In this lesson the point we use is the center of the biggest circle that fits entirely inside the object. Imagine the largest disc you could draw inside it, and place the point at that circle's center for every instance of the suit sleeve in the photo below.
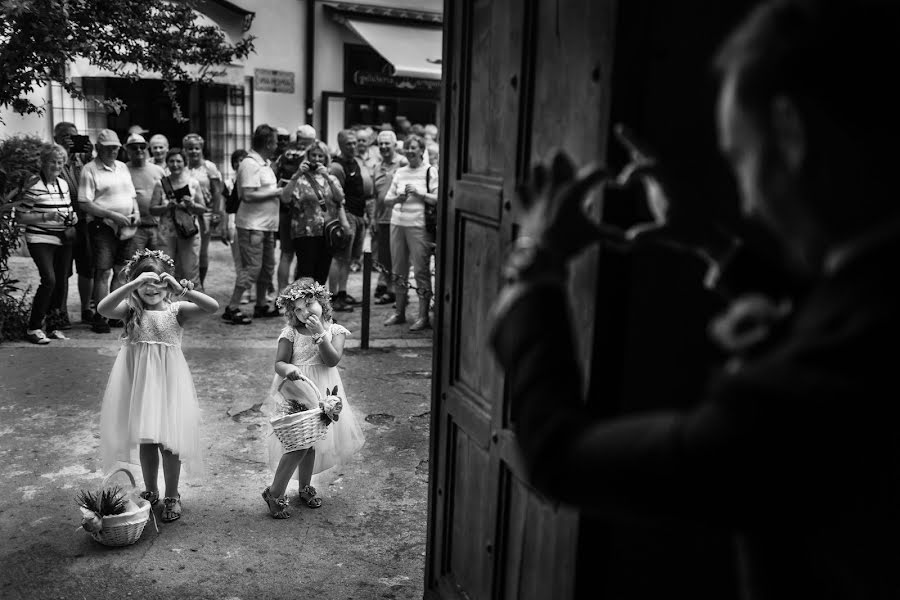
(668, 465)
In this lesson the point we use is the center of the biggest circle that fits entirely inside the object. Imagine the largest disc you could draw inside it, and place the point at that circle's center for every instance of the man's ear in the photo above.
(789, 131)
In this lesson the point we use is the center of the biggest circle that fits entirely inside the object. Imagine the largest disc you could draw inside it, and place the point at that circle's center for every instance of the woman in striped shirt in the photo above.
(46, 211)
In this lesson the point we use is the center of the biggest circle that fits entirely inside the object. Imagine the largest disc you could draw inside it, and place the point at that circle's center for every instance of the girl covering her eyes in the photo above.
(150, 406)
(310, 345)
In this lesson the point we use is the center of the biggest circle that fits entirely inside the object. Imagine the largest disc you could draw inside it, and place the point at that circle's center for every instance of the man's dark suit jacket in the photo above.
(797, 451)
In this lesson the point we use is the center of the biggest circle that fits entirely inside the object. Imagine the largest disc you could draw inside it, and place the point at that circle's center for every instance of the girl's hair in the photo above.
(173, 151)
(50, 151)
(308, 289)
(321, 147)
(143, 261)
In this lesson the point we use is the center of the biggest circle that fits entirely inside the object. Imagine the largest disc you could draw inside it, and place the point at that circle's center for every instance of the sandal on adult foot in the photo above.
(171, 509)
(277, 506)
(151, 497)
(308, 495)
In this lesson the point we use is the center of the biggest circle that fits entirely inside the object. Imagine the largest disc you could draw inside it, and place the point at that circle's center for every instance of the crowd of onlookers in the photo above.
(95, 203)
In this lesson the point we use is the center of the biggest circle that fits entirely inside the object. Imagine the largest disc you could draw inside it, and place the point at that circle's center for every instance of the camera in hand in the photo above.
(81, 144)
(289, 163)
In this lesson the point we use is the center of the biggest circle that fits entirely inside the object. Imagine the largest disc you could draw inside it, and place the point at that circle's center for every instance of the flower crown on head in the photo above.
(146, 252)
(315, 291)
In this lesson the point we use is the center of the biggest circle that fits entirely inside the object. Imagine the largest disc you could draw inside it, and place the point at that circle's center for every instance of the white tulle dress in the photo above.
(150, 395)
(344, 436)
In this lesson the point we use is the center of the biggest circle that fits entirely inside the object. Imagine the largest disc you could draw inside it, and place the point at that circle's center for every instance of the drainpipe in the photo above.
(310, 62)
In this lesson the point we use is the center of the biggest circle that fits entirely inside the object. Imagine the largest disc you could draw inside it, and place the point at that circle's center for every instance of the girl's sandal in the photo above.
(308, 495)
(151, 497)
(171, 509)
(277, 506)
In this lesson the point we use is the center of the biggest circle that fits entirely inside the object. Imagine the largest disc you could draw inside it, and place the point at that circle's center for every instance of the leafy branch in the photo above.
(130, 38)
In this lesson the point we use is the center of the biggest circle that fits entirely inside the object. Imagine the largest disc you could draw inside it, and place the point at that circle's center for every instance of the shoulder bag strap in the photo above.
(167, 188)
(317, 190)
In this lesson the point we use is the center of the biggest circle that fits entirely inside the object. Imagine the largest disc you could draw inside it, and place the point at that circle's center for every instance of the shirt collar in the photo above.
(258, 158)
(103, 165)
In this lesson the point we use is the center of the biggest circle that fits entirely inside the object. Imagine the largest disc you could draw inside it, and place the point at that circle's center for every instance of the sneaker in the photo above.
(350, 299)
(395, 319)
(58, 335)
(87, 316)
(340, 305)
(385, 298)
(37, 336)
(235, 316)
(99, 324)
(63, 321)
(116, 323)
(264, 312)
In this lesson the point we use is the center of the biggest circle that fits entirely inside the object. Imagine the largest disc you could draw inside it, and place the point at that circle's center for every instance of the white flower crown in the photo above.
(146, 252)
(316, 291)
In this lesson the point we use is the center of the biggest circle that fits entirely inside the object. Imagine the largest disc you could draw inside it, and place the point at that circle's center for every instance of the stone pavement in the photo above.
(367, 540)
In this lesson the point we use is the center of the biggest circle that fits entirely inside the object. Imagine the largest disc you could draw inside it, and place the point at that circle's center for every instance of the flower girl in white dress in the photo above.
(310, 346)
(150, 405)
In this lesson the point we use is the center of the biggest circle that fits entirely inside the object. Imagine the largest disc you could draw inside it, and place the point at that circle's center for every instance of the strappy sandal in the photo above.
(308, 495)
(171, 509)
(277, 506)
(151, 497)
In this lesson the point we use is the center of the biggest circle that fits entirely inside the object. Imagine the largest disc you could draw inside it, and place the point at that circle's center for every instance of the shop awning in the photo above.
(414, 51)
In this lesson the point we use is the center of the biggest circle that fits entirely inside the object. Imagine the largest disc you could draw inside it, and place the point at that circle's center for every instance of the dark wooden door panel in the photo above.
(512, 85)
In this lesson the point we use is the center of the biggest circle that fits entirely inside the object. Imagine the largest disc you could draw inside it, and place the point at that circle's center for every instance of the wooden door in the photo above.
(519, 76)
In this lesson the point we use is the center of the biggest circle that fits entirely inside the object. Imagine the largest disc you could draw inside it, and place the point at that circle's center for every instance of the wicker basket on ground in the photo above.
(125, 528)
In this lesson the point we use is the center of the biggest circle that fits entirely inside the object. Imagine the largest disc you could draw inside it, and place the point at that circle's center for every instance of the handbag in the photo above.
(336, 231)
(185, 223)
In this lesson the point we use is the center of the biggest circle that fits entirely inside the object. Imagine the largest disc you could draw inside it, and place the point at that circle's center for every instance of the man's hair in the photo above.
(389, 135)
(158, 136)
(343, 134)
(831, 59)
(63, 125)
(833, 55)
(261, 136)
(192, 137)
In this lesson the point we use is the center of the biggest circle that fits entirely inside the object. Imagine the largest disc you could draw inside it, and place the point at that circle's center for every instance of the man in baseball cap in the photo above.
(107, 195)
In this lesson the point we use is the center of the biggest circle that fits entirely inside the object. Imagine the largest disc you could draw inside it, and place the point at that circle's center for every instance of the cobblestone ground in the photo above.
(367, 540)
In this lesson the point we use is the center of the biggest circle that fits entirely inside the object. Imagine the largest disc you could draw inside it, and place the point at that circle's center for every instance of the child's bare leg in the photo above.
(308, 493)
(149, 454)
(306, 467)
(286, 467)
(171, 472)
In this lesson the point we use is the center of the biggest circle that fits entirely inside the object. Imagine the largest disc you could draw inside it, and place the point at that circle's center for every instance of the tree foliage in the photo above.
(128, 37)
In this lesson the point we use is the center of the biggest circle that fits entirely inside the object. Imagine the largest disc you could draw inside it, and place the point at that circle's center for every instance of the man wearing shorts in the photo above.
(107, 195)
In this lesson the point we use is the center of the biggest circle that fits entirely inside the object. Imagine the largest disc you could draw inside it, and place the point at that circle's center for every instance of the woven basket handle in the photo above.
(126, 471)
(306, 380)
